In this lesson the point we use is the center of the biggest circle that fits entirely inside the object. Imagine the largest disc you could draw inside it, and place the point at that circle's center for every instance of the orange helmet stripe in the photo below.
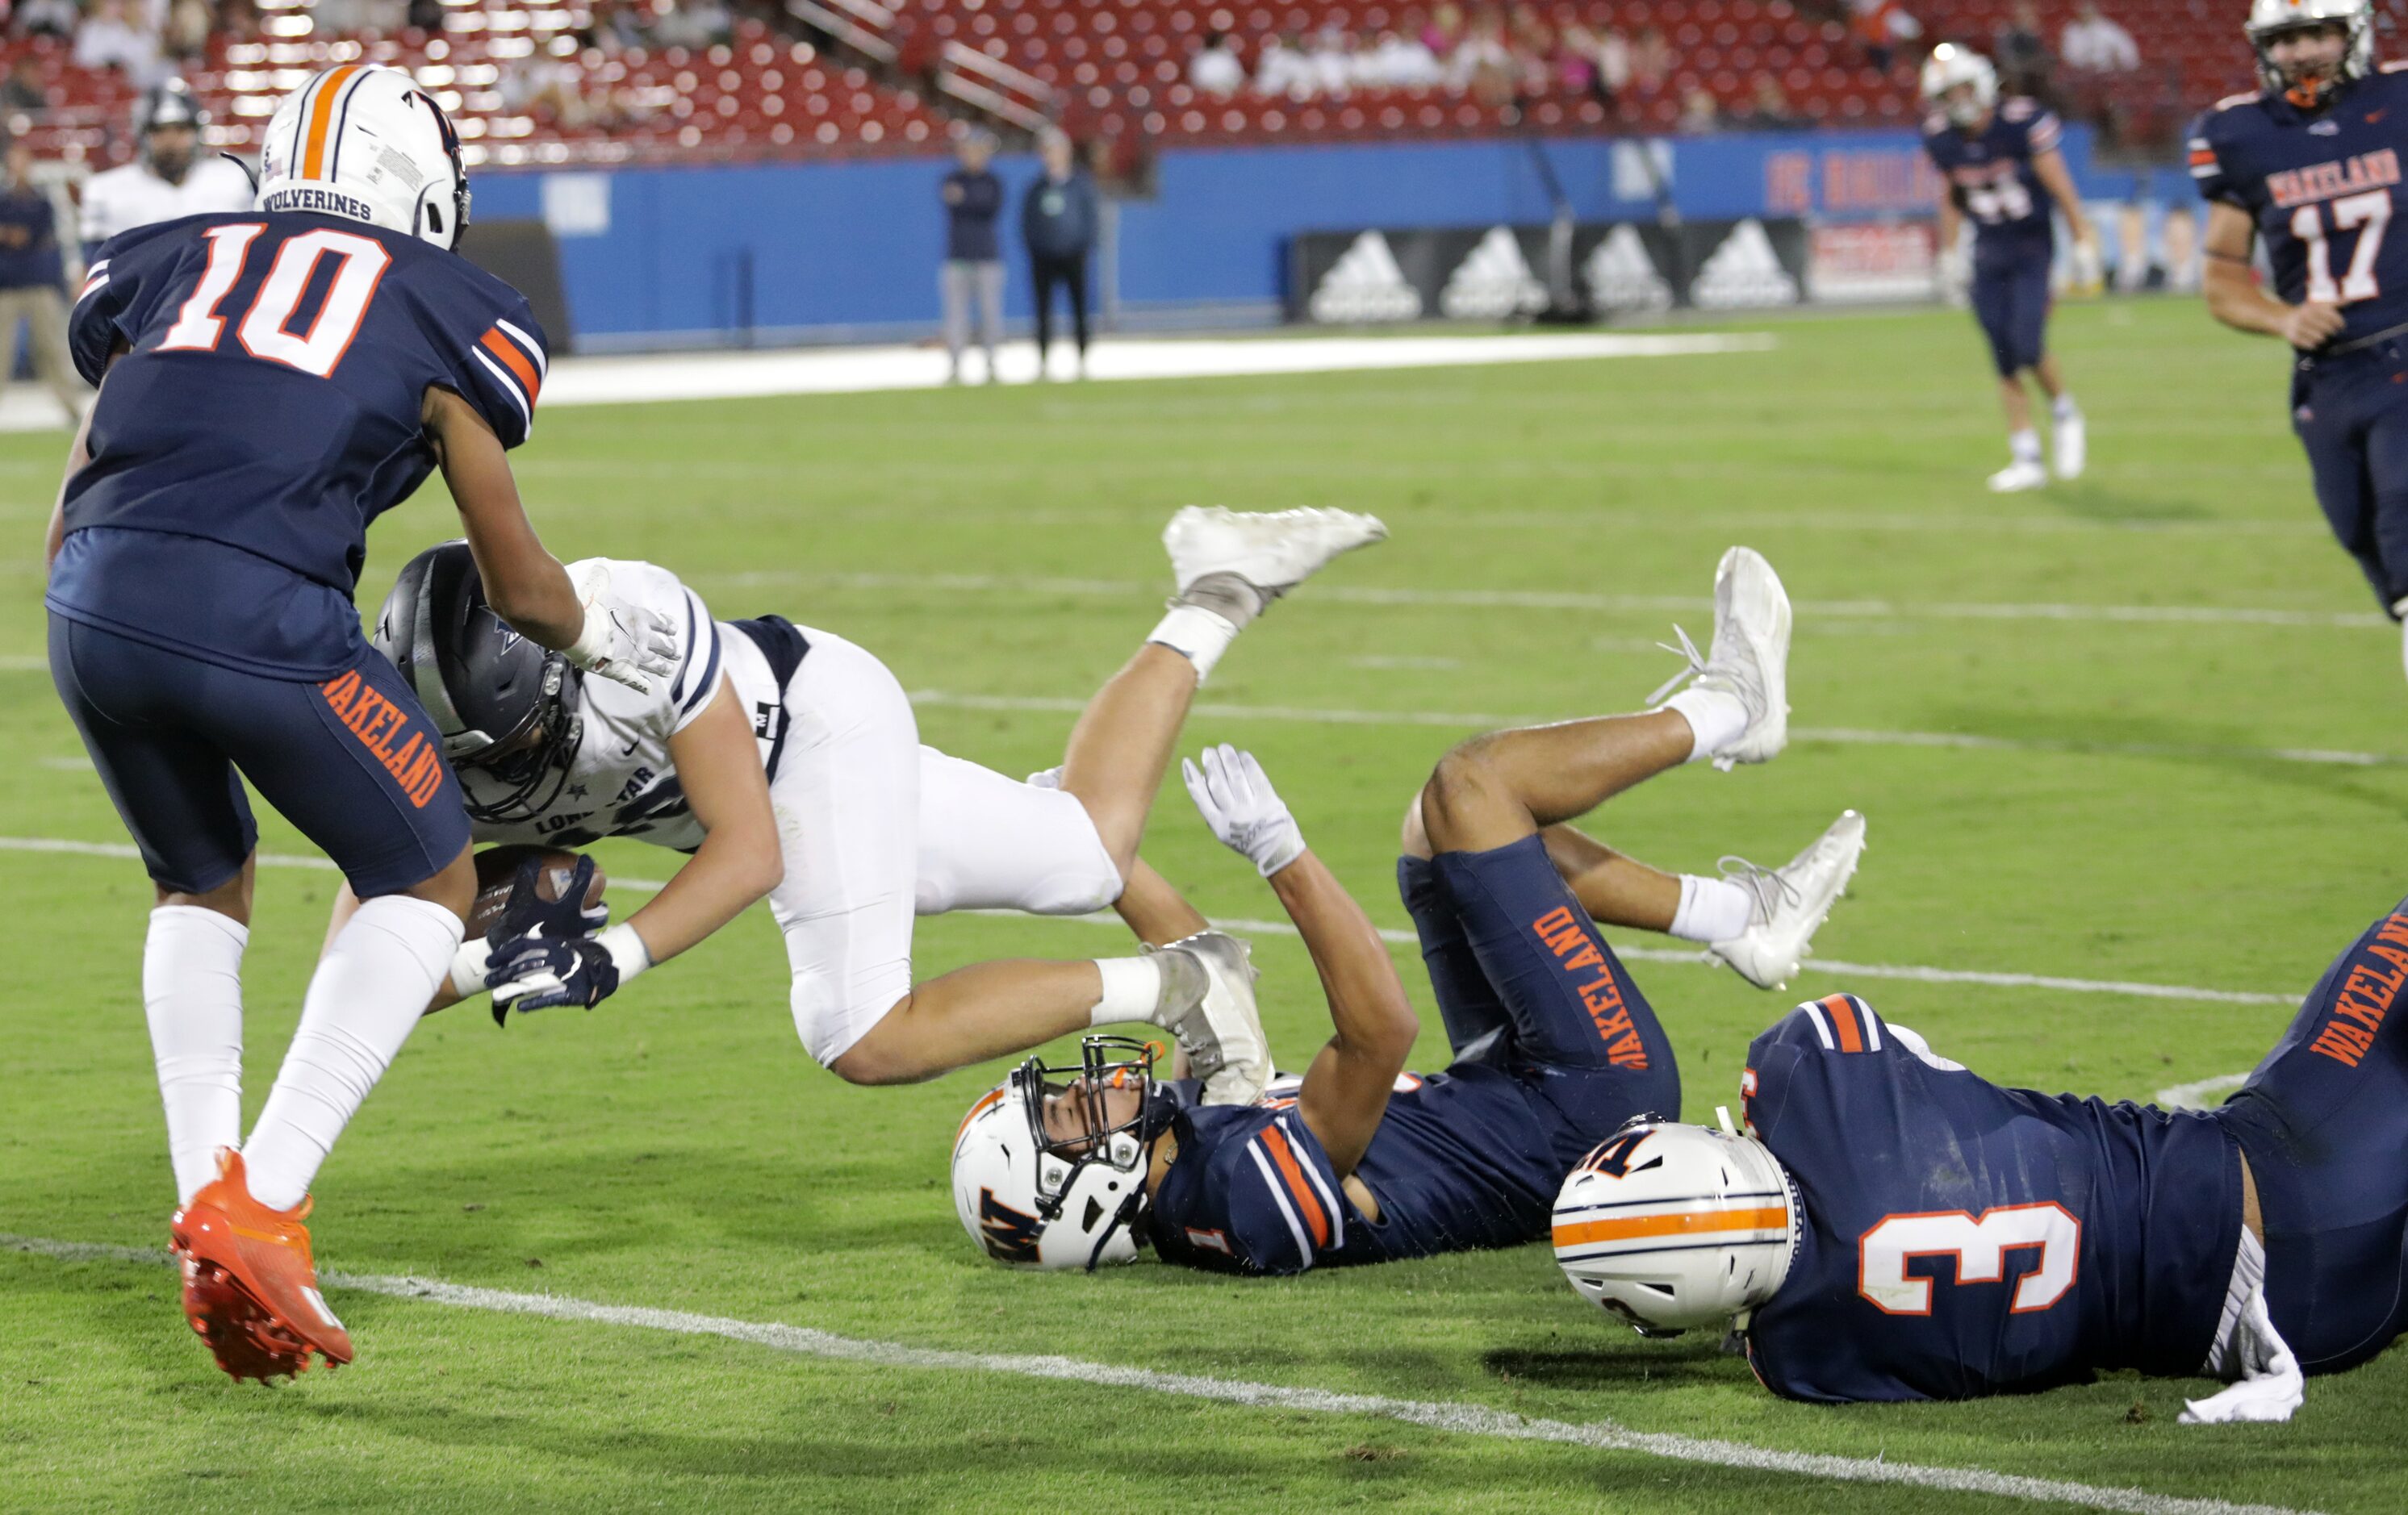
(322, 112)
(1692, 1223)
(985, 1101)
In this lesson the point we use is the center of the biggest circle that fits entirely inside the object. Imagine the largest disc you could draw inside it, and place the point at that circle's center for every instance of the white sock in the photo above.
(2025, 445)
(1716, 717)
(2063, 408)
(1132, 991)
(367, 996)
(1711, 909)
(1199, 635)
(192, 991)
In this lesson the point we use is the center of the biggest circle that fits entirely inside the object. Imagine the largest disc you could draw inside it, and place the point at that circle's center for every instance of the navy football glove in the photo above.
(528, 912)
(536, 972)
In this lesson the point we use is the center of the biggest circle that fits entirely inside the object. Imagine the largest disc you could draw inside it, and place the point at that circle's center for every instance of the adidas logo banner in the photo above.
(1743, 271)
(1493, 281)
(1365, 284)
(1362, 275)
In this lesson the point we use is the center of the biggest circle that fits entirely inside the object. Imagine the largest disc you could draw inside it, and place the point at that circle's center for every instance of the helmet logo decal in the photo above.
(1010, 1234)
(1613, 1157)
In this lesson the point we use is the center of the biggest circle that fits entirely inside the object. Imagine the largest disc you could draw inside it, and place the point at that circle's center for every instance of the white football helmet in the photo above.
(364, 142)
(2270, 19)
(1671, 1226)
(1950, 65)
(1036, 1201)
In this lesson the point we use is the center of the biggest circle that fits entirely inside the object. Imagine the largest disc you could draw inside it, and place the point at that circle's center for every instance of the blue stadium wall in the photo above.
(689, 256)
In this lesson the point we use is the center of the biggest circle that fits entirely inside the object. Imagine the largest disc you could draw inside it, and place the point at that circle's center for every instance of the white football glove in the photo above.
(2088, 269)
(623, 642)
(1955, 274)
(1243, 810)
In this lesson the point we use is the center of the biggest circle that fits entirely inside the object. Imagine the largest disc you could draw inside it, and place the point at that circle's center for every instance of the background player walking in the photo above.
(270, 383)
(2312, 164)
(2001, 170)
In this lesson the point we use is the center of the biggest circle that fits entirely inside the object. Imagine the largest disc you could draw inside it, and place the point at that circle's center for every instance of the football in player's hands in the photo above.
(521, 888)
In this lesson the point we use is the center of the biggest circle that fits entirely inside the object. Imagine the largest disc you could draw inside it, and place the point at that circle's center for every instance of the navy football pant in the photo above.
(2323, 1120)
(1524, 982)
(2011, 301)
(2351, 414)
(352, 761)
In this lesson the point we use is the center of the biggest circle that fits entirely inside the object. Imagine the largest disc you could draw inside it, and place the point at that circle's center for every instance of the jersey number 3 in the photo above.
(2369, 214)
(265, 330)
(1980, 1248)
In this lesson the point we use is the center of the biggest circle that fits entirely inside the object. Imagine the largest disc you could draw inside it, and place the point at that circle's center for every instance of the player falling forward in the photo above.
(1554, 1045)
(788, 761)
(2312, 164)
(1892, 1226)
(269, 384)
(2000, 169)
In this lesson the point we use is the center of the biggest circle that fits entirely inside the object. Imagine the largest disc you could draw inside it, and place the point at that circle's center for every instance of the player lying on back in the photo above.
(1554, 1045)
(269, 384)
(1893, 1226)
(2312, 164)
(2000, 170)
(787, 760)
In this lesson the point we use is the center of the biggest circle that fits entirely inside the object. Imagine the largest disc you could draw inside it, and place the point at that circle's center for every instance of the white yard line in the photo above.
(2205, 1094)
(1437, 1415)
(1908, 973)
(1542, 599)
(1849, 736)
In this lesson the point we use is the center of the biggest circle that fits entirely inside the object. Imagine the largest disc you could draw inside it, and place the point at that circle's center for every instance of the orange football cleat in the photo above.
(250, 1289)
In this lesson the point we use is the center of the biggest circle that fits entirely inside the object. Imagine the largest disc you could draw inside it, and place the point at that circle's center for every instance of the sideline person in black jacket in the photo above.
(1058, 220)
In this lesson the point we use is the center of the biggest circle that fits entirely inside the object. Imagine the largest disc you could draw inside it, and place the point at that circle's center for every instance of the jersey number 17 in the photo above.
(2369, 213)
(264, 330)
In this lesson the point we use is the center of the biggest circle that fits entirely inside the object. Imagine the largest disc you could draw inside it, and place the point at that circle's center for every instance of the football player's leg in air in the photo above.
(199, 640)
(855, 827)
(1554, 1045)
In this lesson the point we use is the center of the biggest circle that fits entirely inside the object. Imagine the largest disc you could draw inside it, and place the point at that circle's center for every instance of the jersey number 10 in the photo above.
(263, 330)
(2370, 213)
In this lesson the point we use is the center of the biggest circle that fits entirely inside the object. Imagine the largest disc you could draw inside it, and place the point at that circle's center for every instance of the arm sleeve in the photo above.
(501, 369)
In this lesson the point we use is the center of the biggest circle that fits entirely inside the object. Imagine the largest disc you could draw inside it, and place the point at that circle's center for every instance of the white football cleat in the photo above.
(1273, 551)
(1791, 904)
(2072, 451)
(2018, 477)
(1749, 656)
(1221, 1034)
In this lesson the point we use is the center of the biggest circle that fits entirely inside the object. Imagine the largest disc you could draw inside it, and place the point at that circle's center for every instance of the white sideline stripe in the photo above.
(1437, 1415)
(1405, 938)
(1846, 736)
(1541, 599)
(2203, 1096)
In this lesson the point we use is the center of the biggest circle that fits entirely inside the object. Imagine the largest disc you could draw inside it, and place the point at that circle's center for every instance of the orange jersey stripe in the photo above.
(515, 361)
(1843, 1023)
(1696, 1223)
(1285, 1157)
(321, 112)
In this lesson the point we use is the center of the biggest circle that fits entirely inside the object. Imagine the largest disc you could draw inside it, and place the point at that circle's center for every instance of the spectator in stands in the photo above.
(426, 16)
(1574, 64)
(1700, 114)
(1333, 63)
(1614, 66)
(1215, 68)
(973, 269)
(186, 34)
(1651, 61)
(31, 275)
(1283, 70)
(46, 18)
(23, 89)
(1883, 28)
(693, 23)
(1399, 61)
(1481, 62)
(1444, 29)
(1770, 109)
(2021, 55)
(1058, 220)
(2094, 45)
(107, 39)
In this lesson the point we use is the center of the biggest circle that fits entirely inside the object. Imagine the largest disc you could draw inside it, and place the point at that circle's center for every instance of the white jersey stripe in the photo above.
(1288, 1213)
(1822, 1024)
(510, 387)
(1328, 1201)
(534, 347)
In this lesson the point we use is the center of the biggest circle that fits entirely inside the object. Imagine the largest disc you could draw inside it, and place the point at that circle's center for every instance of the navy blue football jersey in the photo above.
(1472, 1157)
(1989, 173)
(1963, 1239)
(2324, 188)
(266, 409)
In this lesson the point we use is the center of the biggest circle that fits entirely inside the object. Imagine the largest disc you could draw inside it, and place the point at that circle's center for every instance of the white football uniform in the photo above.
(875, 828)
(131, 195)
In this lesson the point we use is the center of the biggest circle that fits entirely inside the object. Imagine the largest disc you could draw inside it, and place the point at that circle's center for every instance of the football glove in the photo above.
(1955, 271)
(2088, 270)
(1243, 810)
(566, 916)
(623, 642)
(538, 972)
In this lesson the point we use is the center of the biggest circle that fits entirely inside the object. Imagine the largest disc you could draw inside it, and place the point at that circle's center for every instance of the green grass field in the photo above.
(2126, 801)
